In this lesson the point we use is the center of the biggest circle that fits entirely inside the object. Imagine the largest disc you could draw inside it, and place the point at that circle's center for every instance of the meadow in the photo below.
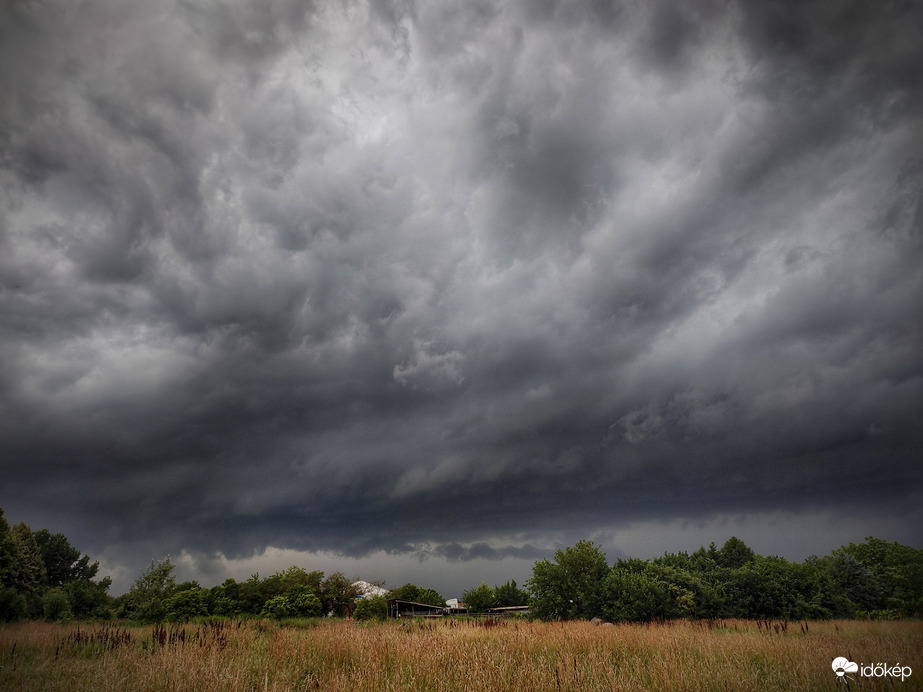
(454, 655)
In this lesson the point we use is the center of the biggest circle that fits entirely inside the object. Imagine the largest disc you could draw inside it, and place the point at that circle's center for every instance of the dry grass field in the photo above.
(454, 655)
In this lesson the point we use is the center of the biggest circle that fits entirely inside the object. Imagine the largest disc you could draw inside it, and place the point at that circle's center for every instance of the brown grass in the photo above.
(454, 655)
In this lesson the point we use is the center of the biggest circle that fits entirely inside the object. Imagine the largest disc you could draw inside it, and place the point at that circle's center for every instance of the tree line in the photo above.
(42, 576)
(873, 579)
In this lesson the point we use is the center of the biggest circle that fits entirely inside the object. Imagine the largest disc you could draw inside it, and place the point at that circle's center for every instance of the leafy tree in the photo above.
(58, 556)
(12, 603)
(338, 595)
(277, 607)
(510, 595)
(690, 596)
(769, 587)
(89, 599)
(854, 580)
(224, 599)
(186, 604)
(13, 606)
(634, 596)
(7, 552)
(734, 553)
(572, 585)
(28, 576)
(296, 577)
(251, 595)
(146, 598)
(33, 565)
(897, 568)
(705, 560)
(305, 603)
(298, 602)
(417, 594)
(479, 599)
(56, 605)
(372, 608)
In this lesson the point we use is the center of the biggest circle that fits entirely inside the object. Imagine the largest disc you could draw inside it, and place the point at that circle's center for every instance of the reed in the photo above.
(454, 655)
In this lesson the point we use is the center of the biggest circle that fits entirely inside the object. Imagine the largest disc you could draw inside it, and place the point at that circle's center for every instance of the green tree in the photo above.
(28, 569)
(58, 556)
(224, 599)
(479, 598)
(89, 599)
(572, 585)
(510, 595)
(13, 606)
(417, 594)
(297, 577)
(252, 595)
(734, 553)
(277, 607)
(299, 602)
(66, 569)
(56, 606)
(768, 587)
(12, 603)
(255, 593)
(7, 552)
(635, 596)
(186, 604)
(338, 595)
(372, 608)
(898, 570)
(146, 598)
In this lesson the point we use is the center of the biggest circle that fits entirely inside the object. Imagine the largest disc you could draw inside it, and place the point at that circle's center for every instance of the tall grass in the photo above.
(454, 655)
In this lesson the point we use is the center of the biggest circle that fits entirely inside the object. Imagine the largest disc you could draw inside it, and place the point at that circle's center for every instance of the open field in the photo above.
(454, 655)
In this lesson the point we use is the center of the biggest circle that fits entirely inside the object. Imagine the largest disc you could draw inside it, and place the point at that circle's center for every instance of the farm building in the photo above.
(398, 608)
(508, 610)
(455, 607)
(367, 590)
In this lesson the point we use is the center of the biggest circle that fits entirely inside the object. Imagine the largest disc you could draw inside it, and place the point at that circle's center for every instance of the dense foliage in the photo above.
(481, 598)
(42, 576)
(873, 579)
(372, 608)
(291, 593)
(416, 594)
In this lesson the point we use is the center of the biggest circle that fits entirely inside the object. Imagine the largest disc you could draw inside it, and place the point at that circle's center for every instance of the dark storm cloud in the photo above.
(458, 281)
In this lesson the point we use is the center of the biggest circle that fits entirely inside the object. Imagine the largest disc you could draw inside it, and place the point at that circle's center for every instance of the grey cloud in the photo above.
(387, 276)
(455, 552)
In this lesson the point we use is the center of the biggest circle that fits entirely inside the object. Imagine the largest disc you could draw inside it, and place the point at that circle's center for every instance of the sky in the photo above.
(425, 291)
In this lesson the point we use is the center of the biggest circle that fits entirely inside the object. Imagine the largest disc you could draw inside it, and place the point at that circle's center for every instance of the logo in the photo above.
(844, 669)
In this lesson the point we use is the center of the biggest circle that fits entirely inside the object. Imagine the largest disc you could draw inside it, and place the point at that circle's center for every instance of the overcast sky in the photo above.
(423, 291)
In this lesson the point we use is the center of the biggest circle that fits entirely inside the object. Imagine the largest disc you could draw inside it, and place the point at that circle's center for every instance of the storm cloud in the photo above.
(454, 283)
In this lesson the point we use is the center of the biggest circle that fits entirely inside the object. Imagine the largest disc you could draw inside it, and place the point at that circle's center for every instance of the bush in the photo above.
(571, 586)
(373, 608)
(13, 606)
(276, 608)
(298, 603)
(479, 599)
(56, 606)
(186, 605)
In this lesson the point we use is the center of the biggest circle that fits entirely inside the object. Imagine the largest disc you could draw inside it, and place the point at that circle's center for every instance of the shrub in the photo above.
(56, 606)
(13, 606)
(479, 599)
(373, 608)
(186, 605)
(298, 603)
